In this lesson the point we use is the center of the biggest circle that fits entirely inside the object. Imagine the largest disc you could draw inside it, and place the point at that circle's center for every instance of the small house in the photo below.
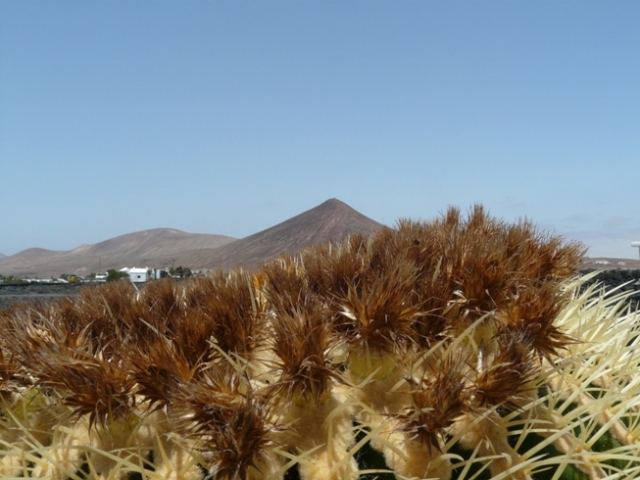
(137, 275)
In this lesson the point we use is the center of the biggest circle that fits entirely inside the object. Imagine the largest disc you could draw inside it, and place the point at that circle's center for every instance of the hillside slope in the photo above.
(331, 220)
(136, 248)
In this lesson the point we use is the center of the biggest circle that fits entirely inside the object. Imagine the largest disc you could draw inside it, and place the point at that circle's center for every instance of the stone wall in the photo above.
(29, 292)
(625, 279)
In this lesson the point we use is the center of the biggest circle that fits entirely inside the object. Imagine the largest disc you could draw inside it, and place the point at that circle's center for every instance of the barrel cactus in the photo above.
(460, 348)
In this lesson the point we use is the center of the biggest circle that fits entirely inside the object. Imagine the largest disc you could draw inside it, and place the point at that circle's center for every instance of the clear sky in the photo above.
(230, 117)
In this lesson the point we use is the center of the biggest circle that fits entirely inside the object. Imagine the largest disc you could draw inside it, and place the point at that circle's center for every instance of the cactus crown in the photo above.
(456, 348)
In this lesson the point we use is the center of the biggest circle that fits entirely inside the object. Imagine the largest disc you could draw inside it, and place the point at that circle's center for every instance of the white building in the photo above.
(137, 275)
(141, 275)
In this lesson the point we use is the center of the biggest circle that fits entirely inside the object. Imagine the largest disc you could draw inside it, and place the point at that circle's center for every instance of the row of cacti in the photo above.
(450, 349)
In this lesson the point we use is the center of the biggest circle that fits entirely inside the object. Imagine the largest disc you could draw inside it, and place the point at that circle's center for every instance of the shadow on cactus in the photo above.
(463, 348)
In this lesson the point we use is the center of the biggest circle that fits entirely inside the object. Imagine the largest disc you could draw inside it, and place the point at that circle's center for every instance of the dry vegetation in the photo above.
(455, 348)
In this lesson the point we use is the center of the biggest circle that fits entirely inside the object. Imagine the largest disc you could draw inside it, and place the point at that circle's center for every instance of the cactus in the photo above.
(461, 348)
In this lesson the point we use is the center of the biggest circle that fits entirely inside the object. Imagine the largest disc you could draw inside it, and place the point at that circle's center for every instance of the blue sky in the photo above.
(230, 117)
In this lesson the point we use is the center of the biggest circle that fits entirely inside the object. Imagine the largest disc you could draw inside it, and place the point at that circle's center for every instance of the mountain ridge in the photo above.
(331, 220)
(117, 252)
(165, 247)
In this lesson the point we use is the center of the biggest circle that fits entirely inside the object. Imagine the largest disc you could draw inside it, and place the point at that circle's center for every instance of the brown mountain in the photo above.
(163, 247)
(331, 220)
(131, 249)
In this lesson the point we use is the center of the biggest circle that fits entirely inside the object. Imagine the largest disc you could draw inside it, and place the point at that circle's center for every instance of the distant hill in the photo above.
(2, 255)
(331, 220)
(131, 249)
(164, 247)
